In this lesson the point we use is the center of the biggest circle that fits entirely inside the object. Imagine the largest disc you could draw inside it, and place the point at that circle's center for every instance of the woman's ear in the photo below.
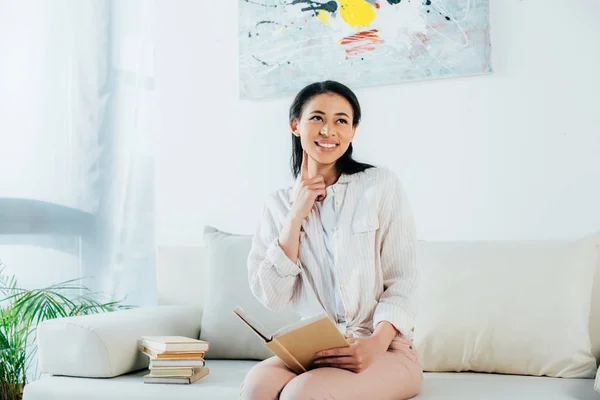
(294, 127)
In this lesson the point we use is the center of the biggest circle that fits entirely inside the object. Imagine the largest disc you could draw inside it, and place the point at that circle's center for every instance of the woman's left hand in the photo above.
(361, 353)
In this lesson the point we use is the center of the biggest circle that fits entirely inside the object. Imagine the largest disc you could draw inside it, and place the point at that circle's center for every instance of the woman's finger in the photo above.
(316, 186)
(316, 179)
(335, 352)
(320, 194)
(335, 360)
(304, 167)
(349, 367)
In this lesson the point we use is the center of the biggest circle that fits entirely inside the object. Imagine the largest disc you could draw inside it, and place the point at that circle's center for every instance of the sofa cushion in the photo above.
(107, 345)
(507, 307)
(227, 287)
(225, 377)
(222, 382)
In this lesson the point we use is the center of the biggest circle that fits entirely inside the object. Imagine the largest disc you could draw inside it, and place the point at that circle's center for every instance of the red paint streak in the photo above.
(363, 48)
(360, 36)
(376, 5)
(423, 38)
(362, 42)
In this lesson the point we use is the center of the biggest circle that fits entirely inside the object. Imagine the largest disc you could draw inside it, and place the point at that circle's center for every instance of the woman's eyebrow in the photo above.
(322, 113)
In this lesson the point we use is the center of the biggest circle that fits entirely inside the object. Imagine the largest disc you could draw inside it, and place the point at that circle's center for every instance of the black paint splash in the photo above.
(266, 64)
(314, 6)
(261, 61)
(255, 33)
(426, 3)
(392, 2)
(261, 4)
(265, 22)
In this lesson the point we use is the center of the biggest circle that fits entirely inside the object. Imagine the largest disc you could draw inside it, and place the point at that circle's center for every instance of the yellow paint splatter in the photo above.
(357, 13)
(281, 31)
(322, 16)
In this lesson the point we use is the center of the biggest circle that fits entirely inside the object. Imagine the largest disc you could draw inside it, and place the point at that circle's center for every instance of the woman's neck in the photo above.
(329, 172)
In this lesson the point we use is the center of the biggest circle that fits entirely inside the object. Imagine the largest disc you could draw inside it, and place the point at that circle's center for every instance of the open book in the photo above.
(296, 344)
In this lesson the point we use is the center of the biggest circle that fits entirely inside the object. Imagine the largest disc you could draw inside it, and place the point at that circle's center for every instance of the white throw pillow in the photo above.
(106, 345)
(507, 307)
(227, 287)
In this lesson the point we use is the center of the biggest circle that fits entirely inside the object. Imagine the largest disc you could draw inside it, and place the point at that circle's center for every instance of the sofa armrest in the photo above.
(108, 344)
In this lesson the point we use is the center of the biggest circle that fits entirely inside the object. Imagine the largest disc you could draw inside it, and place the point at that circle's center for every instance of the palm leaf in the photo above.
(22, 310)
(7, 282)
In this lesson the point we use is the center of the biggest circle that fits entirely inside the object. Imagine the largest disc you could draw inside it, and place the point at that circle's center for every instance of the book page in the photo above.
(253, 324)
(295, 325)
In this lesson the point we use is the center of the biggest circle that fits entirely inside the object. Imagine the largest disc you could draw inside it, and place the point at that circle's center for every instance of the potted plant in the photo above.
(21, 310)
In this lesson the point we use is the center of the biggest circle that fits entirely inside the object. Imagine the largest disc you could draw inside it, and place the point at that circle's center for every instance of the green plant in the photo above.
(22, 310)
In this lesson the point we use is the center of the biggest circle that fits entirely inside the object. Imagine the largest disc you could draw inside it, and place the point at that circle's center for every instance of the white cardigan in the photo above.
(375, 257)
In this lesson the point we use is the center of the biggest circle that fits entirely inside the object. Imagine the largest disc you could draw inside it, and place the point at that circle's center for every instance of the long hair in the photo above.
(345, 164)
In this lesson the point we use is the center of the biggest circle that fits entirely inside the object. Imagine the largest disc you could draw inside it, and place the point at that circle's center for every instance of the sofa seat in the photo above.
(223, 382)
(225, 377)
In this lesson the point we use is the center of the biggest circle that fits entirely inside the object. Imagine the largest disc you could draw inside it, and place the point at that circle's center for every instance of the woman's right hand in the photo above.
(309, 191)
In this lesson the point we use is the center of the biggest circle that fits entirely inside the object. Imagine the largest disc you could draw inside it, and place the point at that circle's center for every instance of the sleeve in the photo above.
(272, 275)
(397, 304)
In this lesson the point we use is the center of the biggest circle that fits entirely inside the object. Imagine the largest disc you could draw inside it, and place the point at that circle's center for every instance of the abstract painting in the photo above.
(287, 44)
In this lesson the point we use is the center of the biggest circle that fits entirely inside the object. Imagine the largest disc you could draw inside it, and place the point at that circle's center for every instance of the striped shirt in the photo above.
(329, 213)
(374, 256)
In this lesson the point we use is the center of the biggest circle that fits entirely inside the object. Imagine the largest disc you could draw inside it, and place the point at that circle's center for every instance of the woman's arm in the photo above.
(399, 263)
(289, 238)
(273, 264)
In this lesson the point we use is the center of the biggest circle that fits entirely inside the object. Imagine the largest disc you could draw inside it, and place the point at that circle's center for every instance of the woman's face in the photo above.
(325, 127)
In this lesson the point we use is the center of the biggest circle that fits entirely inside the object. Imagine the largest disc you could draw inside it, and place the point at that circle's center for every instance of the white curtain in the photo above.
(76, 144)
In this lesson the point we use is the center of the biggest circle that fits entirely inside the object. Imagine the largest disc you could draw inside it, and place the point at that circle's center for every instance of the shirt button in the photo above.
(337, 203)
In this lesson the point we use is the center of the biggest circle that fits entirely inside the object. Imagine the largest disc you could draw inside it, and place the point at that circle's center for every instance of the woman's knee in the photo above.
(264, 381)
(307, 386)
(252, 389)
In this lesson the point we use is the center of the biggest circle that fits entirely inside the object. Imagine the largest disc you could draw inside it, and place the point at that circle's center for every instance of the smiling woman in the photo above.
(344, 235)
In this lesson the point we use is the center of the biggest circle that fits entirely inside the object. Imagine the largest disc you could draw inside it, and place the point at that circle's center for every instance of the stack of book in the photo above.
(175, 359)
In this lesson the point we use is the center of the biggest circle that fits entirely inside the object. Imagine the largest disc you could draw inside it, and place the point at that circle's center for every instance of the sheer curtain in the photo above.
(76, 144)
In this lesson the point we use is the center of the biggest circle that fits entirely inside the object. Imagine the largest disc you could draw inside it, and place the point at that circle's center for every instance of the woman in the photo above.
(342, 239)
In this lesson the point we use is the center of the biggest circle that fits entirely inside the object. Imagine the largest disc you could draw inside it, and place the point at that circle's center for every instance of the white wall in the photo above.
(511, 155)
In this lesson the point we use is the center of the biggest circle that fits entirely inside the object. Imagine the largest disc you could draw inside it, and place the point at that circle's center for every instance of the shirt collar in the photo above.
(342, 180)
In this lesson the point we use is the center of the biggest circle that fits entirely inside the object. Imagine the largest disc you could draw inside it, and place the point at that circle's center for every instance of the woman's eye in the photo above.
(317, 118)
(343, 121)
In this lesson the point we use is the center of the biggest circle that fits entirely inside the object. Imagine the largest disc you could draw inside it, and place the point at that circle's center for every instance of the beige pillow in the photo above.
(507, 307)
(227, 287)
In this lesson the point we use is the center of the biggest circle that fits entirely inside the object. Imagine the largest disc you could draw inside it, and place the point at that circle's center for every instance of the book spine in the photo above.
(284, 355)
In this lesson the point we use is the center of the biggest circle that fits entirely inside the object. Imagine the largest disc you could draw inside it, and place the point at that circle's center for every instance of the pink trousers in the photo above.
(396, 374)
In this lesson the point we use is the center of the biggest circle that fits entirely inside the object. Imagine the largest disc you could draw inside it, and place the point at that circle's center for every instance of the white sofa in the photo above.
(493, 317)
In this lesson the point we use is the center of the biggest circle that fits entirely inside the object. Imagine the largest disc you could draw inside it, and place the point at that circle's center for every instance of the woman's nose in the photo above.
(326, 130)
